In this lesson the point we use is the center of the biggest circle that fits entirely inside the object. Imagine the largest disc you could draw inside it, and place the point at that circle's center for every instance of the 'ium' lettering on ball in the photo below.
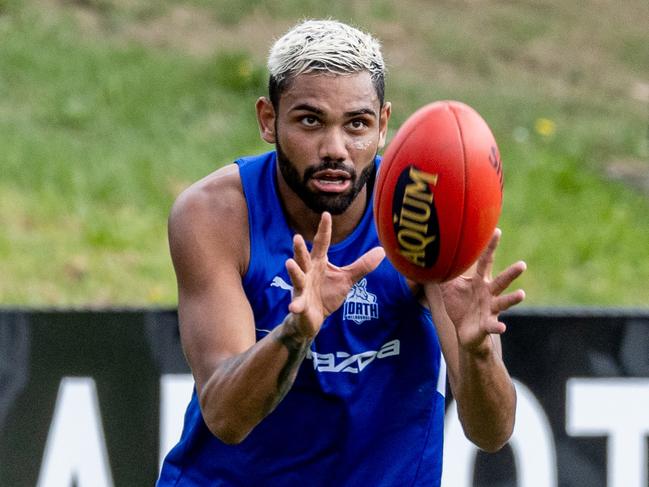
(416, 212)
(496, 163)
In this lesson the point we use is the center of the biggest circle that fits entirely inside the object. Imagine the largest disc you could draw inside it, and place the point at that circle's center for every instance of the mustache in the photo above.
(329, 164)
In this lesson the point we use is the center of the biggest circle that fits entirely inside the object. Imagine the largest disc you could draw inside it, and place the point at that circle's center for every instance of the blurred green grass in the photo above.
(109, 108)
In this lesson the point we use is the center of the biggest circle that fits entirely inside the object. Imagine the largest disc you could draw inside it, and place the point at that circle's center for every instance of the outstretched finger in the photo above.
(301, 253)
(365, 264)
(296, 274)
(506, 277)
(503, 303)
(322, 237)
(495, 327)
(486, 260)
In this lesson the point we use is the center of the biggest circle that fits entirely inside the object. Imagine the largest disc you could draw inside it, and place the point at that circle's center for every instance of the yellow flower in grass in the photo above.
(545, 127)
(244, 69)
(154, 295)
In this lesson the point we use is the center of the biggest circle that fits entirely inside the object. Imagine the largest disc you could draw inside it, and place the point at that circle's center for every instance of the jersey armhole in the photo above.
(247, 277)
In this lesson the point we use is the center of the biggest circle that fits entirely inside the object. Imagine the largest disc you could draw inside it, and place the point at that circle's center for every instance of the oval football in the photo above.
(439, 192)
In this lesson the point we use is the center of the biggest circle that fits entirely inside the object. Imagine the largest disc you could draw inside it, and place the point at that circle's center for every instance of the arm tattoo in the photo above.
(297, 350)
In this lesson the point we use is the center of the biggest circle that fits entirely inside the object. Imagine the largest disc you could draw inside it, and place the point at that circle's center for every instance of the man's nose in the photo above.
(334, 145)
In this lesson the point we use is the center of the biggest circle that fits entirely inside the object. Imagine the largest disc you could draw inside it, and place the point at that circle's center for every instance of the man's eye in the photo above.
(309, 121)
(357, 124)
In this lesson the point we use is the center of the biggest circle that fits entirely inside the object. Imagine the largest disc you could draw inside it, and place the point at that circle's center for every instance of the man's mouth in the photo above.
(331, 181)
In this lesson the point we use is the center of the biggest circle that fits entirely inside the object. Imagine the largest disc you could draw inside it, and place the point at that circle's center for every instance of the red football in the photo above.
(439, 192)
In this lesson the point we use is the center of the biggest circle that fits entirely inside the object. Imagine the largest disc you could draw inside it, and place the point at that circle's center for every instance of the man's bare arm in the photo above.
(240, 380)
(465, 312)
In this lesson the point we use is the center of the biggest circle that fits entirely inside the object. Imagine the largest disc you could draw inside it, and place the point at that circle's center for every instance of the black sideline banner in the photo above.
(96, 398)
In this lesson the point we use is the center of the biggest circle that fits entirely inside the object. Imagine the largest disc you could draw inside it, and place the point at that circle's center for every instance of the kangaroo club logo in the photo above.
(360, 304)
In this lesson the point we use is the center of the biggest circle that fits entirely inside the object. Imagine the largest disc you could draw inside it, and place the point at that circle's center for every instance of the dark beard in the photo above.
(335, 204)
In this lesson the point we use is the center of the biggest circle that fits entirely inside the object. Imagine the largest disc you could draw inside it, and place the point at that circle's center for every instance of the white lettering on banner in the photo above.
(617, 408)
(344, 362)
(175, 393)
(532, 445)
(75, 452)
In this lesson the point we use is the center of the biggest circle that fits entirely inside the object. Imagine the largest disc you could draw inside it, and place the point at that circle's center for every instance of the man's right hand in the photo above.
(319, 287)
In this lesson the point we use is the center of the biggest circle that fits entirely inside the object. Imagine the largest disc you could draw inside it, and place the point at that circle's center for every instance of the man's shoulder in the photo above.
(213, 207)
(210, 218)
(216, 193)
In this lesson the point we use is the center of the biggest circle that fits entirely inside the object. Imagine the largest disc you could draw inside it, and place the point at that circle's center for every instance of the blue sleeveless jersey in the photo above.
(367, 406)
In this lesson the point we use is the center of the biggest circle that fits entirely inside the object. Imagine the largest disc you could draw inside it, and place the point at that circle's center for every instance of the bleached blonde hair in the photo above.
(326, 46)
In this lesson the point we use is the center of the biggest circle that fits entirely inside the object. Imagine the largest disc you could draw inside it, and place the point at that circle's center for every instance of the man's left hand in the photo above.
(474, 301)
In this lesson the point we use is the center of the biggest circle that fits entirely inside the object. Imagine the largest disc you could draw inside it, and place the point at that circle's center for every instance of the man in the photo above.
(317, 363)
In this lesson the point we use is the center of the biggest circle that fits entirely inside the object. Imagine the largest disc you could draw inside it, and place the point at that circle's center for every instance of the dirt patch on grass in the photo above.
(187, 29)
(632, 172)
(196, 31)
(184, 28)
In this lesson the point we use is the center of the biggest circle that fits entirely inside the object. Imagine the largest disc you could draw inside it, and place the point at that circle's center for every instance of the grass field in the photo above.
(109, 108)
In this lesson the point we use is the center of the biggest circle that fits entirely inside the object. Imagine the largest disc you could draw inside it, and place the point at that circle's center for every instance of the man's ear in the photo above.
(266, 119)
(384, 116)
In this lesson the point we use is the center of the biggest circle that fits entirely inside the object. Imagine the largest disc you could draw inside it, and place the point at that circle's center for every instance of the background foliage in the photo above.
(109, 108)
